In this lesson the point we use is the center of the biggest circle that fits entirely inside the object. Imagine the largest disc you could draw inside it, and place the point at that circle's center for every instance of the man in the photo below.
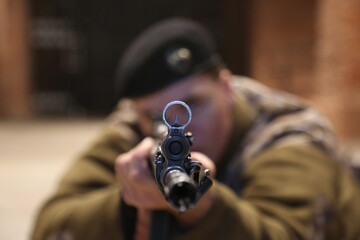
(272, 157)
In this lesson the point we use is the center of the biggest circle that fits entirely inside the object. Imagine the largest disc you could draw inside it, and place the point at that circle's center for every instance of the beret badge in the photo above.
(179, 59)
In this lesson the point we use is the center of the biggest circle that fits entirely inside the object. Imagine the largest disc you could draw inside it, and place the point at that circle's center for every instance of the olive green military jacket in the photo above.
(276, 182)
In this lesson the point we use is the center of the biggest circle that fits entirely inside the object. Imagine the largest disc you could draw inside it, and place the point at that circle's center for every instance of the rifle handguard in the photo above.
(181, 180)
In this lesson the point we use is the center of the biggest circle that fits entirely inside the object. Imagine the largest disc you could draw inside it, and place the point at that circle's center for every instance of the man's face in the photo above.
(210, 101)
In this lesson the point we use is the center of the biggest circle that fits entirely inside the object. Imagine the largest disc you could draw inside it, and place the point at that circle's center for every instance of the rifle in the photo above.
(181, 180)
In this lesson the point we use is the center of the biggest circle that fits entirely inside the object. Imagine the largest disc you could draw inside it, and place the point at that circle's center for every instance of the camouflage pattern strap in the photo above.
(282, 119)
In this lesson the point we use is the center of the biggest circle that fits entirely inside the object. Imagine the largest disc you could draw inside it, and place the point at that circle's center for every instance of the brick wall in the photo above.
(338, 63)
(311, 48)
(14, 59)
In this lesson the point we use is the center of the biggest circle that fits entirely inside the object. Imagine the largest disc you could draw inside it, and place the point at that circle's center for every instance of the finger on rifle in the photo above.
(206, 162)
(132, 170)
(143, 149)
(133, 164)
(122, 167)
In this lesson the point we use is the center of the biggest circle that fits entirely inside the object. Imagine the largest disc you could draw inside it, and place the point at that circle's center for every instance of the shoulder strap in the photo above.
(282, 120)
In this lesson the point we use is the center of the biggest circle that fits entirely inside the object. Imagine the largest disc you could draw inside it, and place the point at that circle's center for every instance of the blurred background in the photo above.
(58, 59)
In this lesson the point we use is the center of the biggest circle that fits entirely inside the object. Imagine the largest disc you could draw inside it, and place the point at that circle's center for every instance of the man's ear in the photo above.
(225, 77)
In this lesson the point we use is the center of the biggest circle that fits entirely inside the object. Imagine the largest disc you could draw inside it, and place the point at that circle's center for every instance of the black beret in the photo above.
(163, 54)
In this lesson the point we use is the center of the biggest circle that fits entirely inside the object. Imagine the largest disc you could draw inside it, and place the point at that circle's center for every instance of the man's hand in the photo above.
(206, 202)
(134, 177)
(139, 188)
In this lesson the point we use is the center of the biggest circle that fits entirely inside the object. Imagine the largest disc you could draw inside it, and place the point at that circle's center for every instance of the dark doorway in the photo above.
(77, 44)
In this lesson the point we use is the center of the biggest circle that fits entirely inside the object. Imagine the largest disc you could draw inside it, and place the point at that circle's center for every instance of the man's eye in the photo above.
(155, 115)
(194, 105)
